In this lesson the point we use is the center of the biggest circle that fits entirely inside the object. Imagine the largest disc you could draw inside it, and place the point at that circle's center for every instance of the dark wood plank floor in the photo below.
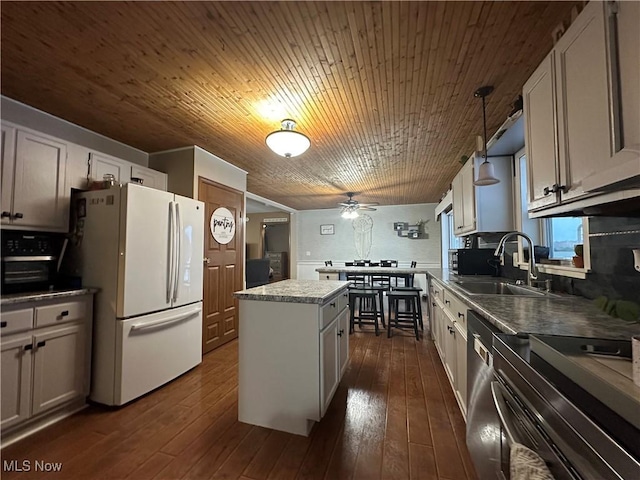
(393, 416)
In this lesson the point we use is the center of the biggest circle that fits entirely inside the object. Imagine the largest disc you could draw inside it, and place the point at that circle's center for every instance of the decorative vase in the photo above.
(578, 262)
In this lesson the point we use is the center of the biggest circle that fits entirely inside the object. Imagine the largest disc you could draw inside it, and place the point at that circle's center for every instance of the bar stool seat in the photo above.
(365, 307)
(407, 318)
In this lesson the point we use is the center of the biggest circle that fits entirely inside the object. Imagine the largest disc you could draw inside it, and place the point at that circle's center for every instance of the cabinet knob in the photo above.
(64, 313)
(3, 324)
(5, 215)
(18, 215)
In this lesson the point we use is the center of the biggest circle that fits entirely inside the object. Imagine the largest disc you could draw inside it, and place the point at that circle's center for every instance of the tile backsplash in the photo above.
(612, 240)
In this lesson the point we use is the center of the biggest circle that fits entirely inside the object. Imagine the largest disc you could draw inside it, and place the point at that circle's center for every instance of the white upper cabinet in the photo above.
(622, 168)
(101, 165)
(578, 142)
(34, 192)
(487, 208)
(124, 172)
(150, 178)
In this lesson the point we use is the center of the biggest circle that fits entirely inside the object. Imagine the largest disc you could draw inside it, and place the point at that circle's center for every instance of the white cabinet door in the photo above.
(540, 134)
(150, 178)
(59, 366)
(450, 349)
(40, 197)
(461, 366)
(8, 165)
(468, 197)
(16, 379)
(328, 364)
(343, 335)
(458, 204)
(101, 164)
(624, 164)
(584, 123)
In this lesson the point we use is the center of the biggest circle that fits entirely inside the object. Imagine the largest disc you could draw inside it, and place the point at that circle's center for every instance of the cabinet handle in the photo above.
(18, 215)
(433, 304)
(28, 347)
(42, 343)
(5, 214)
(547, 191)
(333, 304)
(460, 315)
(447, 302)
(3, 324)
(64, 313)
(340, 333)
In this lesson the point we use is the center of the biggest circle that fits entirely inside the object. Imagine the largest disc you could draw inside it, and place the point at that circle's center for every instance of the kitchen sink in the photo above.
(498, 288)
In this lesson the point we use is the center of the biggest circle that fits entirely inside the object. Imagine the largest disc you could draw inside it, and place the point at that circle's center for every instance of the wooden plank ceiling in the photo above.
(384, 90)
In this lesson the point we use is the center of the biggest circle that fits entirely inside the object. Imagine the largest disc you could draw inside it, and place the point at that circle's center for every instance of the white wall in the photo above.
(214, 168)
(314, 249)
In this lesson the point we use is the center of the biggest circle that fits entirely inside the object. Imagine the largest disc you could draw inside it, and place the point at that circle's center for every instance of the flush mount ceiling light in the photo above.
(287, 142)
(486, 175)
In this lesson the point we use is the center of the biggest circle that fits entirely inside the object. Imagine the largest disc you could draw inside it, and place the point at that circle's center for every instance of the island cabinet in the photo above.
(292, 355)
(46, 355)
(449, 330)
(582, 127)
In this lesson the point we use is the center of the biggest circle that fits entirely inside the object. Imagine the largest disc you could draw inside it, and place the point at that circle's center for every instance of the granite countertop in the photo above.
(568, 315)
(15, 298)
(294, 291)
(380, 270)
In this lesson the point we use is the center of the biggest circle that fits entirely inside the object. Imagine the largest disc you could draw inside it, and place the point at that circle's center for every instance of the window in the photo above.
(563, 234)
(560, 234)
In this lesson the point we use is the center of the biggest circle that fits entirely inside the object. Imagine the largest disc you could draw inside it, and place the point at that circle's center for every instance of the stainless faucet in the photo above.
(532, 261)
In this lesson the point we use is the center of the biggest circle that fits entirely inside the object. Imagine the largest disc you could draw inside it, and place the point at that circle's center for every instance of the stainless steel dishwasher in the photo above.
(483, 423)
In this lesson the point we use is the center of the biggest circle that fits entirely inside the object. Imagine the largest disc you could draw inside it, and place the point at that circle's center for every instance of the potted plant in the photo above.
(578, 259)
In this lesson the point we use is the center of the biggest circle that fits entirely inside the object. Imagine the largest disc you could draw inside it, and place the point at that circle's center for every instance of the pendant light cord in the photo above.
(484, 127)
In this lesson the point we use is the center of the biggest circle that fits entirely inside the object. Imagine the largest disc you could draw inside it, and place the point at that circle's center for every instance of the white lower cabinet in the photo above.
(449, 330)
(16, 379)
(290, 361)
(45, 369)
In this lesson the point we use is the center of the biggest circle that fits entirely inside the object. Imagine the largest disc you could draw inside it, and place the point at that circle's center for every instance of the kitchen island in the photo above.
(293, 350)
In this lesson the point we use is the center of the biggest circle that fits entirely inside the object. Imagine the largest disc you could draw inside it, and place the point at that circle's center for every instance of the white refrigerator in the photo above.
(143, 248)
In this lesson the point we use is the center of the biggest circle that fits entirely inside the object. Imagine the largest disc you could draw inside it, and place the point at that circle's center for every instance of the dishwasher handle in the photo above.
(498, 392)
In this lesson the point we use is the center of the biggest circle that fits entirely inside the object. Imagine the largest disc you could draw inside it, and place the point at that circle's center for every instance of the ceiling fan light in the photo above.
(486, 175)
(287, 142)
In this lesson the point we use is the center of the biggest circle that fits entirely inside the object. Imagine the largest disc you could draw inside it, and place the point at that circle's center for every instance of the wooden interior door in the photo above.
(223, 267)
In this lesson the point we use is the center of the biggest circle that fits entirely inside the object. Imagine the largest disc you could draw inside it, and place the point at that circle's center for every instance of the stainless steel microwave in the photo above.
(473, 261)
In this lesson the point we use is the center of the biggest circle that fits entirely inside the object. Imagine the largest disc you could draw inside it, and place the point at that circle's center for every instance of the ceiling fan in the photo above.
(350, 207)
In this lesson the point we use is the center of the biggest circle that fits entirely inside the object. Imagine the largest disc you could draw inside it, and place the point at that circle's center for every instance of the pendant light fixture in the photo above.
(287, 142)
(486, 174)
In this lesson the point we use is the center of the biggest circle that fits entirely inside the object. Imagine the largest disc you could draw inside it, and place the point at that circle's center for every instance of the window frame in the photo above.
(543, 230)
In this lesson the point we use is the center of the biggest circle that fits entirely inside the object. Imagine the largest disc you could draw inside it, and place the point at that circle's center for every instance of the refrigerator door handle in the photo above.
(166, 321)
(178, 251)
(170, 254)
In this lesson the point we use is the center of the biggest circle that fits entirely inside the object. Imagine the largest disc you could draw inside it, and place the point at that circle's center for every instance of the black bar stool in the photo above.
(415, 291)
(365, 307)
(408, 318)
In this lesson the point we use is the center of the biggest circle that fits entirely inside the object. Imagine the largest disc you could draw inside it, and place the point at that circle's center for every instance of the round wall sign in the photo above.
(222, 225)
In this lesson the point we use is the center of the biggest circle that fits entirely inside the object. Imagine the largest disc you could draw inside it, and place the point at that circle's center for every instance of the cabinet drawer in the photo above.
(457, 308)
(329, 276)
(16, 321)
(436, 291)
(331, 309)
(60, 313)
